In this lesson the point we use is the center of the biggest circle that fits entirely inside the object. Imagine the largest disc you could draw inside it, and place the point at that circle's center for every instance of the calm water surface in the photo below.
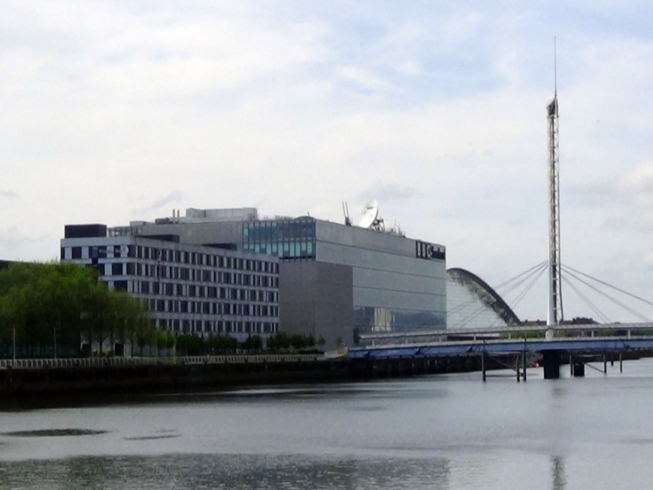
(441, 432)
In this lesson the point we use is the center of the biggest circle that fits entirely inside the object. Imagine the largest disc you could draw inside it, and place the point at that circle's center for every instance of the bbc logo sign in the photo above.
(429, 251)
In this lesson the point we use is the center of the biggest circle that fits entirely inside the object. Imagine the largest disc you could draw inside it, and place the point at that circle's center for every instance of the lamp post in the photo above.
(54, 336)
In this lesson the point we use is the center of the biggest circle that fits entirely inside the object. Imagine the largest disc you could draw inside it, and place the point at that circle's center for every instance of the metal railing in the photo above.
(136, 361)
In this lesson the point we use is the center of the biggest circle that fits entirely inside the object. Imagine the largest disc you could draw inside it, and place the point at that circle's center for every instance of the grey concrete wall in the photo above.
(316, 298)
(199, 233)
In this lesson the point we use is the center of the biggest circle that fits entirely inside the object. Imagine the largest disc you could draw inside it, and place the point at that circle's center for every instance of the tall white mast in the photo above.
(554, 316)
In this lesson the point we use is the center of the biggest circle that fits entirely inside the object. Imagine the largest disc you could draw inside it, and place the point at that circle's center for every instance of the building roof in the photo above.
(472, 303)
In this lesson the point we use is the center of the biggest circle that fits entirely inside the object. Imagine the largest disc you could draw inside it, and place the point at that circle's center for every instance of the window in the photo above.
(120, 285)
(117, 269)
(76, 252)
(131, 269)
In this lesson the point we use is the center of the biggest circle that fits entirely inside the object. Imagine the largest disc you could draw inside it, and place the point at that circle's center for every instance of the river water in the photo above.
(442, 432)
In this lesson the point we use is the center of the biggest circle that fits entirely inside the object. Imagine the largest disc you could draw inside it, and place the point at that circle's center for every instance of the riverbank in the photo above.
(129, 375)
(114, 376)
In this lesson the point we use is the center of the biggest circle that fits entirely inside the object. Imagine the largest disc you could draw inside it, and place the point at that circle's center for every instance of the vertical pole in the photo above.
(523, 358)
(571, 365)
(54, 339)
(483, 366)
(605, 364)
(517, 368)
(621, 363)
(554, 313)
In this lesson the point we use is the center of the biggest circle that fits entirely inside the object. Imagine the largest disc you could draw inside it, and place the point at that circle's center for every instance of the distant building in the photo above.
(188, 288)
(473, 304)
(335, 280)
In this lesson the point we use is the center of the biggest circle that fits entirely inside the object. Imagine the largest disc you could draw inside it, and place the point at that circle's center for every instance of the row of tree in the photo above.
(60, 304)
(194, 345)
(280, 341)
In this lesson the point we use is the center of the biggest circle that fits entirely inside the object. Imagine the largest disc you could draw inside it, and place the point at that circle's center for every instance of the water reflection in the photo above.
(443, 432)
(558, 475)
(181, 472)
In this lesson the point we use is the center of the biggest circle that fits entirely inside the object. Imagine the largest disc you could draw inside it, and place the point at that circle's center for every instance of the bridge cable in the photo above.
(535, 275)
(527, 289)
(584, 298)
(480, 309)
(505, 283)
(617, 302)
(609, 285)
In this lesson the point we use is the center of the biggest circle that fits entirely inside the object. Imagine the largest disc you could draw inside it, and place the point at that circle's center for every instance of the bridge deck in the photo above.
(589, 345)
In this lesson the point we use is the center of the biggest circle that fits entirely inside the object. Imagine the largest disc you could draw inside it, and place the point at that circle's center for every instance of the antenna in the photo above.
(555, 68)
(345, 211)
(369, 215)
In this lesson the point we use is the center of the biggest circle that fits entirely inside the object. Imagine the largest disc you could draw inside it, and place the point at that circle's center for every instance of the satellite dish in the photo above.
(370, 213)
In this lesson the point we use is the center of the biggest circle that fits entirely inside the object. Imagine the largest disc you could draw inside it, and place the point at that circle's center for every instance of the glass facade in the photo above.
(287, 239)
(472, 304)
(392, 285)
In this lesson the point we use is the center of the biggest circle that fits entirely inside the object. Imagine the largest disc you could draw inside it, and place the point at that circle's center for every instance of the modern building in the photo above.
(473, 304)
(188, 287)
(335, 280)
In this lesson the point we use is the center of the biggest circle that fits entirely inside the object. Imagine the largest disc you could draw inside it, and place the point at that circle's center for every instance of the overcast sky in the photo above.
(112, 111)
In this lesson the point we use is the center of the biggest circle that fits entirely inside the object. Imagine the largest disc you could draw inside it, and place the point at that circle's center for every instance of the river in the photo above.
(444, 432)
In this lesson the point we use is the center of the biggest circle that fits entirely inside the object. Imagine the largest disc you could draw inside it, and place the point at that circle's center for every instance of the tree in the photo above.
(253, 343)
(321, 341)
(62, 304)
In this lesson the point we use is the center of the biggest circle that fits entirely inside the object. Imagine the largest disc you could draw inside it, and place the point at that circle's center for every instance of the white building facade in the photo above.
(187, 288)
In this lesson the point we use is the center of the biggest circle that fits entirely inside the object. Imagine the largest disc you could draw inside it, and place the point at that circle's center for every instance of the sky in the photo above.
(112, 111)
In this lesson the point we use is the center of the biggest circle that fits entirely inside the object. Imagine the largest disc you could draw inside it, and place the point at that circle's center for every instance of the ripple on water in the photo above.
(54, 433)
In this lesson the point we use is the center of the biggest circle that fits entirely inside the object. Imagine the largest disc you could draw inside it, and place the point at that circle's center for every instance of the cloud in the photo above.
(388, 192)
(626, 198)
(174, 196)
(436, 110)
(9, 194)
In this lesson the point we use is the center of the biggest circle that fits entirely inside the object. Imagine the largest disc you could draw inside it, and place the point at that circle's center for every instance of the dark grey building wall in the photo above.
(198, 233)
(316, 298)
(393, 289)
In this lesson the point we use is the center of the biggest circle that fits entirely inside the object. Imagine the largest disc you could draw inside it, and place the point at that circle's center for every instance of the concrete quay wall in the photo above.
(98, 378)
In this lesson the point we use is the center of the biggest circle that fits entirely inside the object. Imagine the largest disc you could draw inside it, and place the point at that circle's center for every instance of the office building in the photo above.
(335, 280)
(187, 287)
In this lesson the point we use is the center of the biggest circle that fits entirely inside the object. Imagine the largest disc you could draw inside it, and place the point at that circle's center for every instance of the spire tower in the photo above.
(554, 315)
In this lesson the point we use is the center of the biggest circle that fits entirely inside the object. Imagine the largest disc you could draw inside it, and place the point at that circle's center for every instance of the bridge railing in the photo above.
(136, 361)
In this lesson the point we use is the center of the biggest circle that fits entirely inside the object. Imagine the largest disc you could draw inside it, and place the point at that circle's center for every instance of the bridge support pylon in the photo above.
(551, 364)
